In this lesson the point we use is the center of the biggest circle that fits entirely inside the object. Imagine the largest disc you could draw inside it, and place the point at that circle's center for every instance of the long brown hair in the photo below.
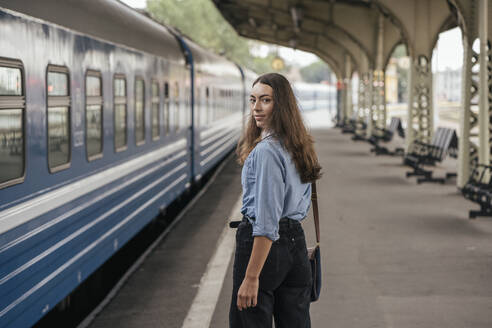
(287, 124)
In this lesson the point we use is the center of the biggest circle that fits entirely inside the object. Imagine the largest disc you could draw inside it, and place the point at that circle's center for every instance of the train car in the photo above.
(96, 138)
(248, 78)
(218, 107)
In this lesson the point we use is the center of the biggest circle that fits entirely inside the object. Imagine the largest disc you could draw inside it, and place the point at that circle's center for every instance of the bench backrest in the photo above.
(481, 175)
(395, 125)
(444, 140)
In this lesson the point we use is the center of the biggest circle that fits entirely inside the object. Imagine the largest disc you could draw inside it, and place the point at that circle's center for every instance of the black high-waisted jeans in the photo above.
(285, 280)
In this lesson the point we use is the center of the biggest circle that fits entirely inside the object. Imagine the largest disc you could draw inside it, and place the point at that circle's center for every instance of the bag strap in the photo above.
(314, 199)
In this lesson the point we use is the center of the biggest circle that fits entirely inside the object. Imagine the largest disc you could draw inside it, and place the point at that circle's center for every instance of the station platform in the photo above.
(394, 253)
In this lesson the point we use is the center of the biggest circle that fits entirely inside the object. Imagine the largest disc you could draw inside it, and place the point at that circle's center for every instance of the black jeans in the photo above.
(285, 280)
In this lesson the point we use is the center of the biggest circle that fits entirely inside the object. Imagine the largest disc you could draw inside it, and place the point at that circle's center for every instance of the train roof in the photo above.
(110, 20)
(208, 62)
(249, 76)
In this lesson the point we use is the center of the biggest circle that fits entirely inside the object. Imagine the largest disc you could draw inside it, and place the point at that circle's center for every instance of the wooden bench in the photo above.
(478, 189)
(386, 135)
(444, 142)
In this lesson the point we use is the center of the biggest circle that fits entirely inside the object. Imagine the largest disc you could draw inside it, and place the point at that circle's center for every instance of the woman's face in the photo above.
(261, 104)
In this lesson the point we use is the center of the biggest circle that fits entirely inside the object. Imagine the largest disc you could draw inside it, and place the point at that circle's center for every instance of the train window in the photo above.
(211, 109)
(228, 101)
(93, 115)
(139, 111)
(166, 107)
(58, 118)
(207, 106)
(120, 131)
(187, 108)
(176, 106)
(198, 105)
(57, 82)
(12, 105)
(155, 111)
(10, 81)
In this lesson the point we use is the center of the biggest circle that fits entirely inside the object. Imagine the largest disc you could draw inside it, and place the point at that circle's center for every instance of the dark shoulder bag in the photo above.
(314, 252)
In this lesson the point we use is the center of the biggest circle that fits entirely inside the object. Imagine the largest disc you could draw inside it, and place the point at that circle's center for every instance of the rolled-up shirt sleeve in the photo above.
(269, 191)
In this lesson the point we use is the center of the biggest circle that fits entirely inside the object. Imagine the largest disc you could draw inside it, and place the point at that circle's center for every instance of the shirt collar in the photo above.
(265, 133)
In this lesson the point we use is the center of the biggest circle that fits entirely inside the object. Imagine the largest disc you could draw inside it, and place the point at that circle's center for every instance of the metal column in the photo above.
(468, 149)
(378, 95)
(484, 90)
(342, 104)
(348, 88)
(476, 118)
(379, 102)
(420, 116)
(369, 102)
(364, 102)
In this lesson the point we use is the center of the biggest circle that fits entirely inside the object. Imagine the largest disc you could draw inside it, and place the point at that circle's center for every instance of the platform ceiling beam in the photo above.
(316, 26)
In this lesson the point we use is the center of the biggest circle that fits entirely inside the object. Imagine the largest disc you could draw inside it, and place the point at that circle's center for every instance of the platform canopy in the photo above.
(360, 36)
(333, 29)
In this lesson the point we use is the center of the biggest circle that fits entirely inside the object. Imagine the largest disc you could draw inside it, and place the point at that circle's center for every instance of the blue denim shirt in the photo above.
(272, 188)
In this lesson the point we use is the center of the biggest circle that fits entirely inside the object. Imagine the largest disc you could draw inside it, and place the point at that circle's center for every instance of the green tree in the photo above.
(316, 72)
(201, 21)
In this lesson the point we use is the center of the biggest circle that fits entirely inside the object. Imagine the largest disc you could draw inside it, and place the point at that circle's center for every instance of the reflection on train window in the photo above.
(139, 111)
(12, 104)
(57, 84)
(58, 118)
(207, 106)
(187, 108)
(11, 145)
(176, 107)
(198, 105)
(120, 130)
(93, 83)
(93, 115)
(155, 111)
(166, 107)
(10, 81)
(215, 104)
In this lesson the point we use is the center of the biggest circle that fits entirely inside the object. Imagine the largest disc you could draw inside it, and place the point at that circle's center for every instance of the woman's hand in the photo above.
(247, 296)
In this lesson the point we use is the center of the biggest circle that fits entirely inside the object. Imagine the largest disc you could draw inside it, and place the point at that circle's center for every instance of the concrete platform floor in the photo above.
(395, 254)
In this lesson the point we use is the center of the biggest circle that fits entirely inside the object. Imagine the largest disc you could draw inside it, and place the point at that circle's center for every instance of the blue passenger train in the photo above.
(106, 117)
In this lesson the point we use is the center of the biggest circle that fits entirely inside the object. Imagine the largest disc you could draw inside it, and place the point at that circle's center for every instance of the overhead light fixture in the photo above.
(252, 22)
(297, 14)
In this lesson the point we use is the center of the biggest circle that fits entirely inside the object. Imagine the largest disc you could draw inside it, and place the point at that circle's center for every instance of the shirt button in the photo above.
(293, 239)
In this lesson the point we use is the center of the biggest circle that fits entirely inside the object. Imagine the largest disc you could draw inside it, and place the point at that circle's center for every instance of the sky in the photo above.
(448, 52)
(291, 56)
(136, 3)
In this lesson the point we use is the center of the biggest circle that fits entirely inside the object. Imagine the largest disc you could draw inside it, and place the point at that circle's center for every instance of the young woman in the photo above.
(272, 274)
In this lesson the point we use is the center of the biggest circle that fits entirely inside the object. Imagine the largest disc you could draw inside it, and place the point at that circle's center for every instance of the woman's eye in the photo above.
(266, 101)
(251, 101)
